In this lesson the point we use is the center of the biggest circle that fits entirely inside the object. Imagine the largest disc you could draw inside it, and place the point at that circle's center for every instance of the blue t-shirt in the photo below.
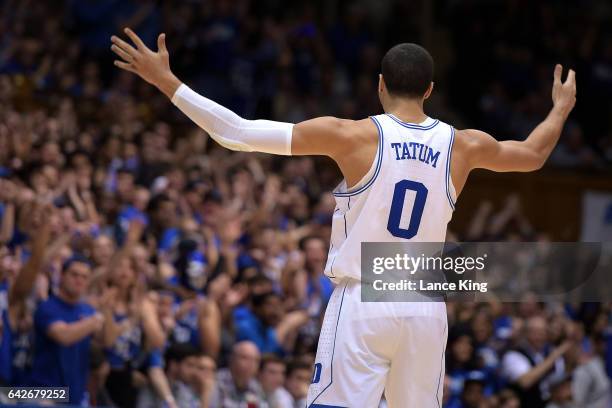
(55, 365)
(249, 327)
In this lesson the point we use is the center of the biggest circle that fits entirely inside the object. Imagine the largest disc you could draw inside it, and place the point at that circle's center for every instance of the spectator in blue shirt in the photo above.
(266, 324)
(64, 325)
(258, 323)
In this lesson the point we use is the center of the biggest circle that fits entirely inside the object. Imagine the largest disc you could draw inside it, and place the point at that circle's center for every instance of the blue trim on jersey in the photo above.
(449, 156)
(348, 209)
(441, 366)
(331, 267)
(380, 150)
(326, 406)
(331, 364)
(412, 125)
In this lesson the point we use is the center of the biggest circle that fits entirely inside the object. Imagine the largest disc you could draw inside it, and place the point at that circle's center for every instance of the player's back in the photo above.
(407, 195)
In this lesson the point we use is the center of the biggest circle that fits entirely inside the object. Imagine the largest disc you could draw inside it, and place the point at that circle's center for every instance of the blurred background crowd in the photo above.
(143, 266)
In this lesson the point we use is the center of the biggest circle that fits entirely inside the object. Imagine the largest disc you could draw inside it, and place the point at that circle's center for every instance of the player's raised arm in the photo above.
(480, 150)
(320, 136)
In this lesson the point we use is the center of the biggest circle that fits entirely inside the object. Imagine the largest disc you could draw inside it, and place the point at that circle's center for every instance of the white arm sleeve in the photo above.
(229, 129)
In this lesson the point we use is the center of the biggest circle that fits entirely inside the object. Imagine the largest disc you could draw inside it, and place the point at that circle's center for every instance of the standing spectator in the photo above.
(590, 384)
(16, 335)
(258, 324)
(198, 322)
(64, 326)
(529, 365)
(132, 328)
(266, 325)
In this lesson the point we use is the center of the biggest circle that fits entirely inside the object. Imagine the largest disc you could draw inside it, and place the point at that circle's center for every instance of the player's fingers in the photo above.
(125, 66)
(124, 46)
(161, 43)
(136, 39)
(558, 72)
(571, 77)
(124, 55)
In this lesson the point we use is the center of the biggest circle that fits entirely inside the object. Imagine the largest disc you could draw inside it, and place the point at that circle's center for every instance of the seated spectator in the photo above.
(237, 385)
(299, 375)
(64, 326)
(272, 377)
(187, 381)
(508, 399)
(561, 392)
(473, 395)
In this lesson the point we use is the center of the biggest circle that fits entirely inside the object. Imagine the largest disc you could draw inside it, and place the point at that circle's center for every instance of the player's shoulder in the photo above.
(472, 144)
(358, 125)
(471, 138)
(356, 130)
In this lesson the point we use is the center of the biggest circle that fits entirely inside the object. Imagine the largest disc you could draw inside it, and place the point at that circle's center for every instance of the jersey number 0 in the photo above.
(397, 206)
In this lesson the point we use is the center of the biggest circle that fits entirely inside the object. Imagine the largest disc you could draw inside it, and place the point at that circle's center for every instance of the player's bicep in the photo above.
(325, 136)
(487, 153)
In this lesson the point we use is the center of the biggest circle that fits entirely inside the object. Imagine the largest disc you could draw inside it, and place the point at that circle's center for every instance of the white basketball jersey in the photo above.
(407, 195)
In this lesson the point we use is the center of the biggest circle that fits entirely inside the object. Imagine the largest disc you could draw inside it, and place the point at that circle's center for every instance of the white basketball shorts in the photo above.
(366, 348)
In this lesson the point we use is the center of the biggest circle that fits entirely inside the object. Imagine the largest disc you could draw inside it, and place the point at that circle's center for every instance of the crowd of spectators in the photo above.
(142, 265)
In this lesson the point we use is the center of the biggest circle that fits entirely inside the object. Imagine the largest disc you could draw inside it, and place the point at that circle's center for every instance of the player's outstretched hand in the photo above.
(153, 67)
(564, 93)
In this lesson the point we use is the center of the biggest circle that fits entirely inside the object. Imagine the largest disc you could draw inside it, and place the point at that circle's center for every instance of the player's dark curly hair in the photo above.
(407, 70)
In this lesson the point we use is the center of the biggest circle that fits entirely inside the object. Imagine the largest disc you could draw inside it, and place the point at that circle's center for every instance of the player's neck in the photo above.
(407, 110)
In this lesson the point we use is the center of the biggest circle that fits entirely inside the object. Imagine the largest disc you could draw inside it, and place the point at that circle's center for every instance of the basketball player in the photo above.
(367, 348)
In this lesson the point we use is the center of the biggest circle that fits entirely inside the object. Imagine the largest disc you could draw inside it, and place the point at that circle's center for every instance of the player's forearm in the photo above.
(545, 136)
(230, 130)
(168, 85)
